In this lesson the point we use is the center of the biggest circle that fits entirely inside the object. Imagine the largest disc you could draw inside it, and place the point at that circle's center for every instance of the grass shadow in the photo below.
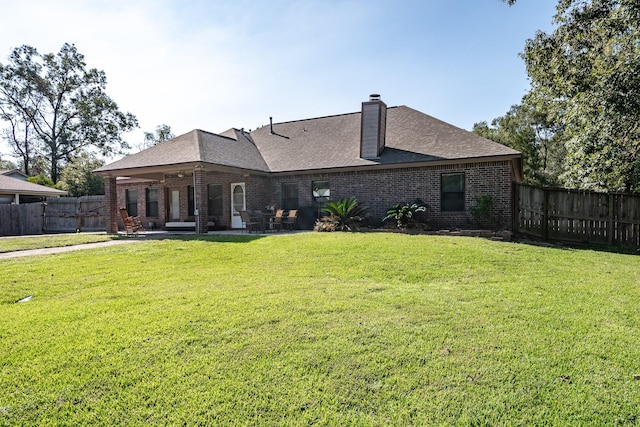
(577, 246)
(215, 238)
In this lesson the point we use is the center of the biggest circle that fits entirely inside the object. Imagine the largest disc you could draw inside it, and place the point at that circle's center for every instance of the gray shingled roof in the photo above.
(195, 146)
(321, 143)
(14, 173)
(9, 185)
(334, 142)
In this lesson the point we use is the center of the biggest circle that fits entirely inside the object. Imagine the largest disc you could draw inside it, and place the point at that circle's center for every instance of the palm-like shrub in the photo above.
(404, 214)
(345, 214)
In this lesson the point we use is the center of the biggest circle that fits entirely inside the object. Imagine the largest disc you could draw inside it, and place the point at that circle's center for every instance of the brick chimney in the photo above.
(373, 127)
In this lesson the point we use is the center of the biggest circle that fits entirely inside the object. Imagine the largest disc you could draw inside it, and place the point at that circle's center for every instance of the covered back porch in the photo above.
(188, 197)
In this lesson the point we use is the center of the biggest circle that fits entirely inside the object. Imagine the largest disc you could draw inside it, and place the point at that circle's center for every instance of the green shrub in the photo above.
(345, 214)
(404, 215)
(481, 212)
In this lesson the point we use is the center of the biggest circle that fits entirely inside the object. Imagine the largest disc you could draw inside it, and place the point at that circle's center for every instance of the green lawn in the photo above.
(11, 244)
(321, 328)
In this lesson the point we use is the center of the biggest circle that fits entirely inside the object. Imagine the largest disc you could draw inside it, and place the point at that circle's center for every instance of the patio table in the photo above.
(264, 218)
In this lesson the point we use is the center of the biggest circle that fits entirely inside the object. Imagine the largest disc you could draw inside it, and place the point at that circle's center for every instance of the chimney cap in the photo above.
(374, 97)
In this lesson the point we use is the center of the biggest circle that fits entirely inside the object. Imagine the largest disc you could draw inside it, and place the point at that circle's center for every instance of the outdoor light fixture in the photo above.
(180, 174)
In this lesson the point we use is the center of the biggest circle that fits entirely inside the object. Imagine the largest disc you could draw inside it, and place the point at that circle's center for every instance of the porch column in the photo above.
(112, 205)
(200, 188)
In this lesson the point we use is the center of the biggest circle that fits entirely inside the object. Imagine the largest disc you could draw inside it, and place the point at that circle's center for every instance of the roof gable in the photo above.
(197, 146)
(14, 173)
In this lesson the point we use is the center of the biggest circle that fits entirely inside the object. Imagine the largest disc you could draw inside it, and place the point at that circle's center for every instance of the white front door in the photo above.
(238, 203)
(174, 207)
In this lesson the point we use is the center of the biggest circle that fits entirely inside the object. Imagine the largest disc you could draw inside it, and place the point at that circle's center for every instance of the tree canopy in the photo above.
(56, 108)
(584, 95)
(162, 133)
(6, 164)
(529, 131)
(77, 177)
(588, 73)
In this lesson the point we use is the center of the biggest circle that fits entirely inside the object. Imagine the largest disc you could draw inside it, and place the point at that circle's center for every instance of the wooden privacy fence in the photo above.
(18, 220)
(578, 216)
(65, 214)
(56, 215)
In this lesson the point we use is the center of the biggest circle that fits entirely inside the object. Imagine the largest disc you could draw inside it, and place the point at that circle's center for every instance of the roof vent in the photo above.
(374, 97)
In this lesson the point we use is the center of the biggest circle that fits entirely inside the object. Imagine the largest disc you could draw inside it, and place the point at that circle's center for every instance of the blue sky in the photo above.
(213, 65)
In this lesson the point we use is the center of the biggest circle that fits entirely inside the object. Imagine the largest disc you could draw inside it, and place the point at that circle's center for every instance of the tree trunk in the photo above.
(54, 165)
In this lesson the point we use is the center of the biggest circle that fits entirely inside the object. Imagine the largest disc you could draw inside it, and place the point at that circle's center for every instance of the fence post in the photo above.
(611, 218)
(545, 214)
(515, 207)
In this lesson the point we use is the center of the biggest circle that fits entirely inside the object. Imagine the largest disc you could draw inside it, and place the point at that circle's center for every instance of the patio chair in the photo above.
(249, 223)
(290, 221)
(132, 224)
(276, 221)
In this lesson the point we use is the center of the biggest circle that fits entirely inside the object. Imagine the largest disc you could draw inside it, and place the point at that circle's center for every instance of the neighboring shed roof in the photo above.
(14, 173)
(317, 144)
(12, 186)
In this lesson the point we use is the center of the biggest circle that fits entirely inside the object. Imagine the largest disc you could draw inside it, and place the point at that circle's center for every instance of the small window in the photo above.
(214, 200)
(452, 186)
(290, 195)
(131, 196)
(321, 190)
(152, 202)
(191, 201)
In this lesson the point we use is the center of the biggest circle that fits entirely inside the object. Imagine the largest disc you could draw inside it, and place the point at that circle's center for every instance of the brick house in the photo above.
(381, 155)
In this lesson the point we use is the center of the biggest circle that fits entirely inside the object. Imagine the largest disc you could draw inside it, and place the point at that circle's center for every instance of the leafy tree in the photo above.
(39, 165)
(161, 134)
(6, 165)
(42, 179)
(77, 177)
(587, 72)
(531, 131)
(19, 135)
(63, 102)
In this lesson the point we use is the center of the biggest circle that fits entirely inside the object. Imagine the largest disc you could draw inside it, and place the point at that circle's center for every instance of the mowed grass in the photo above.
(324, 329)
(11, 244)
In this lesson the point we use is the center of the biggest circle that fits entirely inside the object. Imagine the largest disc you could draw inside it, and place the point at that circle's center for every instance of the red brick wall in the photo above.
(379, 190)
(257, 196)
(142, 206)
(110, 190)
